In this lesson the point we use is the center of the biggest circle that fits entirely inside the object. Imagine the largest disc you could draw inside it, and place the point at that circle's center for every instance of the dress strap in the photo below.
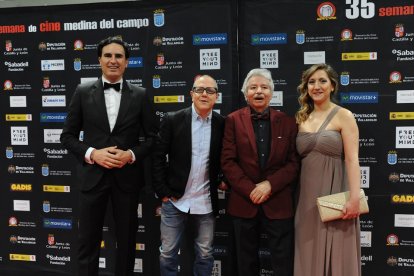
(329, 118)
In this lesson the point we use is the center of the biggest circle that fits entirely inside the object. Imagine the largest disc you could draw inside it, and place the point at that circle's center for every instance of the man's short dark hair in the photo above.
(113, 39)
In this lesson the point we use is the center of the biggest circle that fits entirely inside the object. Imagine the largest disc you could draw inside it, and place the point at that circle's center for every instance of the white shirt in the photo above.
(197, 198)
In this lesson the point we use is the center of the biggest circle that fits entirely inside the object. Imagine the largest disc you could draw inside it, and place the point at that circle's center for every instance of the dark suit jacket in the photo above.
(87, 112)
(240, 164)
(170, 178)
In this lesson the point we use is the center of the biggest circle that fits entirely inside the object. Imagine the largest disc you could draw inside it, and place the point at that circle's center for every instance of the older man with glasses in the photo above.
(185, 171)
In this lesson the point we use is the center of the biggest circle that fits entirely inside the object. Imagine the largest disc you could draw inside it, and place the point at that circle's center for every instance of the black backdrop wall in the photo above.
(47, 51)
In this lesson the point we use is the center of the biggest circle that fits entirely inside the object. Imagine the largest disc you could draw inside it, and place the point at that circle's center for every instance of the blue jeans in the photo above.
(173, 222)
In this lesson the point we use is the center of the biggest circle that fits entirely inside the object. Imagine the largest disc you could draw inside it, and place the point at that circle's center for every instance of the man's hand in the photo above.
(261, 193)
(111, 157)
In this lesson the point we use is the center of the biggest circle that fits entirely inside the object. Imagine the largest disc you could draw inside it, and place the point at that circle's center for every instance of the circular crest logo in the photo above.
(395, 77)
(392, 239)
(157, 41)
(392, 261)
(13, 221)
(78, 45)
(394, 177)
(11, 169)
(326, 11)
(346, 34)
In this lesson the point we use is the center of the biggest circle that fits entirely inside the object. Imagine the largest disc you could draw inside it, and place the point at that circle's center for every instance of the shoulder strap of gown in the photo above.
(329, 118)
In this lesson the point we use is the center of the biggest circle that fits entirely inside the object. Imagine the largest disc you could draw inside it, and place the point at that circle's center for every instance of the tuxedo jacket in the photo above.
(241, 167)
(135, 129)
(174, 139)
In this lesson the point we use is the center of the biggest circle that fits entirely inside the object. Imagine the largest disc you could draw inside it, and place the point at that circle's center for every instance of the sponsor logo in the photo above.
(326, 11)
(51, 136)
(57, 260)
(403, 55)
(57, 223)
(404, 199)
(19, 135)
(53, 117)
(366, 238)
(392, 261)
(140, 246)
(401, 115)
(169, 99)
(346, 34)
(365, 259)
(15, 187)
(135, 62)
(168, 41)
(56, 189)
(269, 59)
(102, 262)
(21, 205)
(20, 169)
(22, 257)
(160, 59)
(352, 56)
(159, 18)
(395, 77)
(14, 222)
(16, 66)
(366, 117)
(11, 154)
(22, 240)
(8, 85)
(394, 177)
(392, 239)
(52, 65)
(269, 39)
(404, 137)
(209, 39)
(210, 59)
(18, 117)
(78, 45)
(300, 37)
(52, 101)
(55, 153)
(392, 157)
(156, 81)
(358, 97)
(18, 101)
(314, 57)
(405, 96)
(217, 268)
(404, 220)
(364, 183)
(138, 265)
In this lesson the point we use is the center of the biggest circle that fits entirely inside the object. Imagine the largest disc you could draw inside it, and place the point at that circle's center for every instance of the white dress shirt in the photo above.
(196, 198)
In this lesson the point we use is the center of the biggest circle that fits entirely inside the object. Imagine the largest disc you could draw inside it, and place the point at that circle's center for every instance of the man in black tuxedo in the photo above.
(187, 183)
(119, 128)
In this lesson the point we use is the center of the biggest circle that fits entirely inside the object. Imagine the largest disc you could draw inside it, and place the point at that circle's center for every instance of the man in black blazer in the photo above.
(119, 128)
(187, 183)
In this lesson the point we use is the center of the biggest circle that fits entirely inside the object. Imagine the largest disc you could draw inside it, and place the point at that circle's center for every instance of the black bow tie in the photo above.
(260, 116)
(116, 86)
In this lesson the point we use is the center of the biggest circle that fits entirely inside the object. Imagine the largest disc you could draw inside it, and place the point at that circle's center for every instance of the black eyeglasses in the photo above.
(209, 90)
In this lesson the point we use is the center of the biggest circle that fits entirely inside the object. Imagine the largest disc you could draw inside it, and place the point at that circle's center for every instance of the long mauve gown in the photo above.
(330, 248)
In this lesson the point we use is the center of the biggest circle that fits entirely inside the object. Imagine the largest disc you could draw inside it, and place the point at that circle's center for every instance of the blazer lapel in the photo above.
(188, 135)
(248, 126)
(275, 133)
(214, 141)
(124, 105)
(99, 98)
